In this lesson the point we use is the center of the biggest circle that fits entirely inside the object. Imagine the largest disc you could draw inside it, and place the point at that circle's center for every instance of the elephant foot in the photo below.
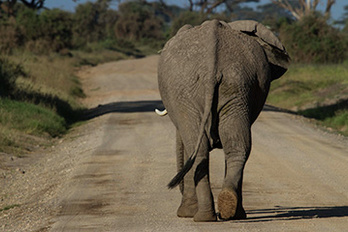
(227, 204)
(205, 216)
(187, 209)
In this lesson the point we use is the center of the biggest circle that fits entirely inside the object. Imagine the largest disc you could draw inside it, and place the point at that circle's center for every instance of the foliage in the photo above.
(9, 72)
(10, 37)
(138, 21)
(312, 40)
(315, 91)
(48, 31)
(345, 20)
(93, 22)
(210, 6)
(29, 23)
(7, 207)
(187, 17)
(55, 26)
(30, 118)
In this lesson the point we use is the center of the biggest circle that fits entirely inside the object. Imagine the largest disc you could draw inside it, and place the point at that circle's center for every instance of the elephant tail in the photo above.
(189, 163)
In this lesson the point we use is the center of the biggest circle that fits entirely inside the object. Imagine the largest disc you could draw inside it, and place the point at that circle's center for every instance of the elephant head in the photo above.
(274, 50)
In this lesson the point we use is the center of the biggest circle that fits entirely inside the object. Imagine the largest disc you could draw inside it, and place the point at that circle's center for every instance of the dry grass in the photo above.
(45, 101)
(315, 91)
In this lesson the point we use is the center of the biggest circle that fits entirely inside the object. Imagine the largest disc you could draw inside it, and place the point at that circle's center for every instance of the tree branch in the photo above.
(191, 5)
(214, 5)
(34, 4)
(287, 6)
(328, 6)
(306, 7)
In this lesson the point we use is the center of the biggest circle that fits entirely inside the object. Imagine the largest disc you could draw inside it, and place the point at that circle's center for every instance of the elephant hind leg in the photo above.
(236, 141)
(189, 204)
(197, 199)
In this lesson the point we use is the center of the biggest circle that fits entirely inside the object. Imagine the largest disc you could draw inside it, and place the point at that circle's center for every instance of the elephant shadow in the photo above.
(267, 107)
(296, 213)
(139, 106)
(121, 107)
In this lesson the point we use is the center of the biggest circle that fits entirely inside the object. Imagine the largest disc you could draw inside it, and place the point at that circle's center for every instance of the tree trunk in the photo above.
(306, 7)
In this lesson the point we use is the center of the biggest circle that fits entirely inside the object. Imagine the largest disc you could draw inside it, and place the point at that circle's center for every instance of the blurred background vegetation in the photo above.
(41, 49)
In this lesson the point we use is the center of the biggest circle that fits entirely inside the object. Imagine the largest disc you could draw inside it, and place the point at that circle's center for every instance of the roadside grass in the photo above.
(110, 50)
(31, 119)
(315, 91)
(48, 74)
(41, 99)
(42, 103)
(96, 56)
(8, 207)
(24, 127)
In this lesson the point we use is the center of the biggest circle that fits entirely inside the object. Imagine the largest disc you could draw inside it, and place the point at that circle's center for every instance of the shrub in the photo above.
(29, 23)
(9, 37)
(48, 31)
(312, 40)
(138, 21)
(9, 72)
(56, 28)
(32, 119)
(93, 22)
(187, 17)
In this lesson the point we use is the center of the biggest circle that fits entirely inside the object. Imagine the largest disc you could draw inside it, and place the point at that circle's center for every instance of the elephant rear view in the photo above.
(214, 80)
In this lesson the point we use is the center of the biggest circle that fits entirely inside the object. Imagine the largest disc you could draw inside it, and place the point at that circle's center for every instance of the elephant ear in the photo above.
(275, 51)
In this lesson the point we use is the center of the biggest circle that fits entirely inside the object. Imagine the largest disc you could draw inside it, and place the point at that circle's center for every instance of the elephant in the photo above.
(213, 80)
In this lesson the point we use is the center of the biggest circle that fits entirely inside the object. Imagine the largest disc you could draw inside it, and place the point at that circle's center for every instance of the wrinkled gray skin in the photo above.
(214, 80)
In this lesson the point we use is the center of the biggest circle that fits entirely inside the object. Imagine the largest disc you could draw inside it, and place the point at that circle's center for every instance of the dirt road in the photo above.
(111, 173)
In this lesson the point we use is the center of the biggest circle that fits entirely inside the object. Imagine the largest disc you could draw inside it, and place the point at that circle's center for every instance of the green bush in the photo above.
(93, 22)
(51, 30)
(138, 21)
(187, 17)
(31, 118)
(10, 37)
(312, 40)
(9, 72)
(56, 26)
(29, 23)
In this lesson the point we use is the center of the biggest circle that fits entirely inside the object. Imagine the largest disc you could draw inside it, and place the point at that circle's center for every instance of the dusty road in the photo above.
(112, 175)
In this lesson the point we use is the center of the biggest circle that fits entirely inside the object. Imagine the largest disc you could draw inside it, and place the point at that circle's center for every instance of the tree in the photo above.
(8, 6)
(92, 22)
(208, 6)
(186, 17)
(313, 40)
(345, 19)
(34, 4)
(56, 26)
(302, 8)
(138, 21)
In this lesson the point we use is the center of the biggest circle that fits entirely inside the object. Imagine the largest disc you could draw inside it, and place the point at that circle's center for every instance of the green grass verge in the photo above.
(30, 118)
(41, 100)
(8, 207)
(315, 91)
